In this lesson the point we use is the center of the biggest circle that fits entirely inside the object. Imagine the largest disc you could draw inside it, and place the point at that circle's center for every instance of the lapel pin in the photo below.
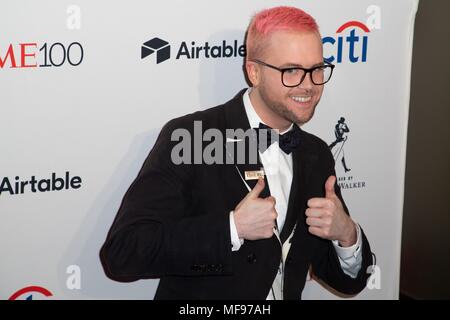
(254, 175)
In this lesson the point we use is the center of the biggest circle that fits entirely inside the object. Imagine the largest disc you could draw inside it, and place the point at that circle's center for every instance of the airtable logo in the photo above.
(54, 183)
(191, 50)
(161, 47)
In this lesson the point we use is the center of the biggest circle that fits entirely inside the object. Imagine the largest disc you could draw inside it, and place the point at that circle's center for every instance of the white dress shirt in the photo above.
(278, 170)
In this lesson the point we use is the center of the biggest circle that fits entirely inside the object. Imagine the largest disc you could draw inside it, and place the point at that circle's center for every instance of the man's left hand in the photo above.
(327, 219)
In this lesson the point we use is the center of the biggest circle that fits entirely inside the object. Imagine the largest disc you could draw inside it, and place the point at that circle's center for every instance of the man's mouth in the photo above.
(301, 99)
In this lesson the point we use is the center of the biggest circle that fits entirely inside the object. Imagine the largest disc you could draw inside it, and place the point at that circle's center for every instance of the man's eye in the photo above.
(292, 71)
(319, 69)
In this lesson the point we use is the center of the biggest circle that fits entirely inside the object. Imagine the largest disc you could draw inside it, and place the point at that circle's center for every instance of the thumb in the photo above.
(257, 189)
(329, 187)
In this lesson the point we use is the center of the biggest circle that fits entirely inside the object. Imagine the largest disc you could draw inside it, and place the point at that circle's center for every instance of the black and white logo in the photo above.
(191, 50)
(160, 46)
(18, 185)
(338, 149)
(340, 131)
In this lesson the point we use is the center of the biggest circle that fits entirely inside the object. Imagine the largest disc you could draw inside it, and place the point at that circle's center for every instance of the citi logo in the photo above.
(191, 50)
(31, 292)
(27, 55)
(354, 44)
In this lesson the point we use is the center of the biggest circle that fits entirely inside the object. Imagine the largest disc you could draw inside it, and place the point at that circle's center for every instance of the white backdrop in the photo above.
(97, 116)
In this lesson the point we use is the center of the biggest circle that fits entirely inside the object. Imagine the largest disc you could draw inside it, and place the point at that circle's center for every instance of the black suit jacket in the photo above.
(173, 223)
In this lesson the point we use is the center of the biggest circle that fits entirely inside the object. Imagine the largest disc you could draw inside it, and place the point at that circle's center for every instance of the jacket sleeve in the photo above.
(157, 230)
(326, 264)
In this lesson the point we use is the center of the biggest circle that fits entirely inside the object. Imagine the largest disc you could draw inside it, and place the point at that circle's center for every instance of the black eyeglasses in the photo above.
(294, 76)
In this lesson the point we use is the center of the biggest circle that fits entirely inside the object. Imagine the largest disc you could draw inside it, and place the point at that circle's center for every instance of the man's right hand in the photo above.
(255, 217)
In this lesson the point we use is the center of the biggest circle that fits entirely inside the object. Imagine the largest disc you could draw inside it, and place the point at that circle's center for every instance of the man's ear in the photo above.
(253, 72)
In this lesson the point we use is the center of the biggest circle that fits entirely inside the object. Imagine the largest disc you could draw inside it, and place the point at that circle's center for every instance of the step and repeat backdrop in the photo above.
(85, 87)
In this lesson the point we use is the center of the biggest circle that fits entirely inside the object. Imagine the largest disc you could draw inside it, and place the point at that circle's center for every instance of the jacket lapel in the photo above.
(235, 119)
(303, 158)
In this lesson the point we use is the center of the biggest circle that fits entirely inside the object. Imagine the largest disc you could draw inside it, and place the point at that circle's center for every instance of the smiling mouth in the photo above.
(301, 99)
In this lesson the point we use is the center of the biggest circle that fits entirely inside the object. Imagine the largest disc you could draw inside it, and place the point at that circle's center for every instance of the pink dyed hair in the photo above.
(267, 21)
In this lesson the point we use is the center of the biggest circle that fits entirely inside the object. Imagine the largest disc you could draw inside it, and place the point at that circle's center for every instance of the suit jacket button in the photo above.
(251, 258)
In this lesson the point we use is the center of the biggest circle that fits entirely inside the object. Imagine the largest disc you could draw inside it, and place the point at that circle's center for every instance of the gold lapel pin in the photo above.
(254, 175)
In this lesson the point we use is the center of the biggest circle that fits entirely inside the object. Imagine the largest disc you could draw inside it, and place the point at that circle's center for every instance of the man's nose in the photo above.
(307, 82)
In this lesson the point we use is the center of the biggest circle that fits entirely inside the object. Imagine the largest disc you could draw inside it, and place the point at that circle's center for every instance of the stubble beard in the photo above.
(283, 111)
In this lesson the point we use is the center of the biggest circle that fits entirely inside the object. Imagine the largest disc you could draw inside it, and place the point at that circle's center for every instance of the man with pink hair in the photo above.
(247, 230)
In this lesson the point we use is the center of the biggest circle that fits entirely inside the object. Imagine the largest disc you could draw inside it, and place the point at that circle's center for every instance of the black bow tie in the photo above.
(288, 141)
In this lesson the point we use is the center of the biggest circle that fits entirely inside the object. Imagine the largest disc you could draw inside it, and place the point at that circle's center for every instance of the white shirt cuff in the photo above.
(350, 258)
(236, 242)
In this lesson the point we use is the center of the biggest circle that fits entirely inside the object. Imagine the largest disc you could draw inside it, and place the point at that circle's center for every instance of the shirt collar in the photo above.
(252, 116)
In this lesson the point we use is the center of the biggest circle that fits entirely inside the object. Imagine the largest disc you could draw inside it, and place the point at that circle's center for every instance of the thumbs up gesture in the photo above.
(254, 216)
(327, 219)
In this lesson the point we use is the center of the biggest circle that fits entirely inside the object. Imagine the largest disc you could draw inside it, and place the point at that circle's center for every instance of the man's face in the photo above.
(290, 49)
